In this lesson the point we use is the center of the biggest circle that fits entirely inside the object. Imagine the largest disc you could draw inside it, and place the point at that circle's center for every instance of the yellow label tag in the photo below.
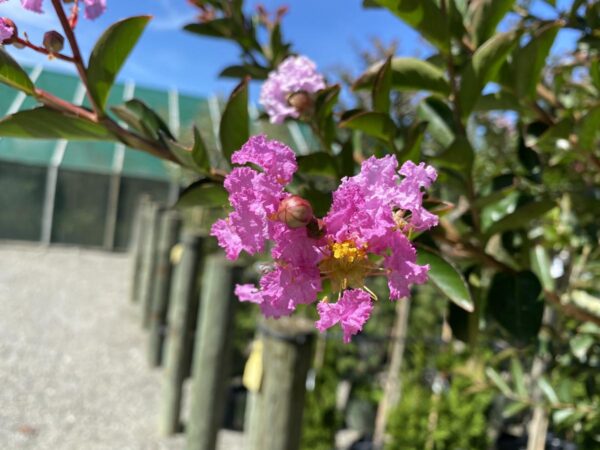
(253, 371)
(176, 254)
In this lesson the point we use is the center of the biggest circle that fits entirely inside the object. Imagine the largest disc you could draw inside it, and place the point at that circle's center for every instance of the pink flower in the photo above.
(296, 74)
(366, 233)
(7, 29)
(93, 8)
(351, 311)
(32, 5)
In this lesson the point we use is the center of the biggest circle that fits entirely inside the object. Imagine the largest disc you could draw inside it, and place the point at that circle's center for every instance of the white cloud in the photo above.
(25, 19)
(170, 17)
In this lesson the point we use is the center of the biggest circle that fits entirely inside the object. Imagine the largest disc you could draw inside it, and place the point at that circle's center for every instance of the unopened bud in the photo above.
(54, 42)
(8, 31)
(301, 101)
(295, 212)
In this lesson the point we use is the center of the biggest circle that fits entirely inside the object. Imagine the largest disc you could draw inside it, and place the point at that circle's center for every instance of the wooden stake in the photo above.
(212, 354)
(138, 236)
(170, 225)
(182, 299)
(149, 263)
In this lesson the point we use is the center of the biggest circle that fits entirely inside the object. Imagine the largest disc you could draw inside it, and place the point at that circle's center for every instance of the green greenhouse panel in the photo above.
(89, 157)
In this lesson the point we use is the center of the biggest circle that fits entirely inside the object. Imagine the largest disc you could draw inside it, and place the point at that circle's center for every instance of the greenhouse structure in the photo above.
(85, 193)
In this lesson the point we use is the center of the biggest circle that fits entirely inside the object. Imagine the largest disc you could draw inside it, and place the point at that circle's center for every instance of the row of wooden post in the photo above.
(186, 300)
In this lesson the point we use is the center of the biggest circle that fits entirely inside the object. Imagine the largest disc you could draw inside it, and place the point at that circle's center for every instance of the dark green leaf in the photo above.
(423, 15)
(46, 123)
(498, 101)
(195, 158)
(319, 163)
(484, 16)
(408, 74)
(110, 53)
(521, 217)
(141, 118)
(528, 158)
(12, 74)
(374, 124)
(235, 122)
(203, 193)
(483, 67)
(458, 156)
(439, 116)
(588, 129)
(381, 88)
(219, 28)
(247, 70)
(529, 61)
(411, 148)
(447, 278)
(513, 301)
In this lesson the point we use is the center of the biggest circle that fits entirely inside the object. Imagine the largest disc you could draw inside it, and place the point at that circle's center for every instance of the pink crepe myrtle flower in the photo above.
(93, 8)
(364, 234)
(7, 29)
(295, 75)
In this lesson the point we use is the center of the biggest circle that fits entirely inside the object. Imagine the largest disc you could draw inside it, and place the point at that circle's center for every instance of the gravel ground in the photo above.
(72, 365)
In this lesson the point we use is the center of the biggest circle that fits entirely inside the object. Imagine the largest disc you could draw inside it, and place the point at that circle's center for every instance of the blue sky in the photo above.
(328, 31)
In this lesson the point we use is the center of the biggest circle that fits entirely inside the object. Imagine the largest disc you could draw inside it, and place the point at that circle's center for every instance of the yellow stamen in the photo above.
(347, 265)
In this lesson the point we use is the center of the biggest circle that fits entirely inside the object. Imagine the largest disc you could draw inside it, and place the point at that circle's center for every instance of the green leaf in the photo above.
(498, 101)
(540, 264)
(195, 158)
(408, 74)
(483, 67)
(447, 278)
(12, 74)
(46, 123)
(529, 61)
(374, 124)
(522, 216)
(595, 73)
(562, 415)
(588, 129)
(381, 88)
(423, 15)
(318, 163)
(518, 377)
(110, 53)
(513, 301)
(548, 390)
(484, 16)
(234, 130)
(246, 70)
(458, 156)
(143, 119)
(439, 116)
(203, 193)
(498, 381)
(514, 408)
(219, 28)
(413, 137)
(325, 101)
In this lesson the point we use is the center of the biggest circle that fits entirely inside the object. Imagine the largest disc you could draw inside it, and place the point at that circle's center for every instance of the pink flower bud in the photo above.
(8, 31)
(295, 212)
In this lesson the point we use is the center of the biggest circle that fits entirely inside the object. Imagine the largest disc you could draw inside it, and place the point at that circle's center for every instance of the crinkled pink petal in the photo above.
(227, 238)
(286, 287)
(274, 157)
(403, 271)
(352, 311)
(294, 247)
(421, 174)
(32, 5)
(409, 195)
(248, 293)
(94, 8)
(6, 30)
(294, 74)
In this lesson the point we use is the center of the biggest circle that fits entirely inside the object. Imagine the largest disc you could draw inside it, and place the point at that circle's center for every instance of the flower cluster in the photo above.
(287, 91)
(363, 235)
(93, 8)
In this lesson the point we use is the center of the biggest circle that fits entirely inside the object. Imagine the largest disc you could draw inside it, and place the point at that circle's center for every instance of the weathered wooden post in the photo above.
(212, 353)
(181, 308)
(170, 225)
(138, 236)
(149, 263)
(277, 410)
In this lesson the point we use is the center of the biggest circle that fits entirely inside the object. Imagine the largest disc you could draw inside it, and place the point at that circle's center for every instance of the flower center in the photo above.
(346, 266)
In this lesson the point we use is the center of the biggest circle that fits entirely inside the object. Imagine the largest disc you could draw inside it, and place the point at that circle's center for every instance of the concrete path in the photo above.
(72, 366)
